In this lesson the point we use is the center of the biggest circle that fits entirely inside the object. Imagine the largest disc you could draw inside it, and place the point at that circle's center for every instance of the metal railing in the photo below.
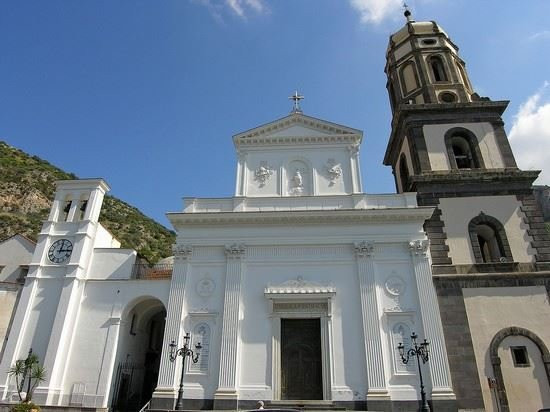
(152, 272)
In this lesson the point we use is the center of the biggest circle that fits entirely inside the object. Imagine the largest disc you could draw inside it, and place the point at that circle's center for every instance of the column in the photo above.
(166, 384)
(371, 321)
(431, 319)
(226, 395)
(354, 168)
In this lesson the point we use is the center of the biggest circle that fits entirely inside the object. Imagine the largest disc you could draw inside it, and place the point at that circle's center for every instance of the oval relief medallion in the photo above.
(205, 287)
(395, 286)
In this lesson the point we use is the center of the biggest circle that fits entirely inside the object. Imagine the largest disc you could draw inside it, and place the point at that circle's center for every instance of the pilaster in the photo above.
(431, 319)
(377, 389)
(166, 384)
(226, 394)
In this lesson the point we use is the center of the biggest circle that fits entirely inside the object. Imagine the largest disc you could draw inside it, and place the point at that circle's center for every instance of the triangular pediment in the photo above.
(297, 125)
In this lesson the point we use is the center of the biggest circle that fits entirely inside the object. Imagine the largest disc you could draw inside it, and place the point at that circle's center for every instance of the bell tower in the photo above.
(449, 146)
(423, 66)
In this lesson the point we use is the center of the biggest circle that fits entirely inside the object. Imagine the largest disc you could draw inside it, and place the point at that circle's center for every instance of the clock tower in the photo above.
(55, 282)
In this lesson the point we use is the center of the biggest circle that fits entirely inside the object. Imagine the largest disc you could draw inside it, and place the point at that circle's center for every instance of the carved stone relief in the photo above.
(202, 334)
(263, 173)
(334, 171)
(299, 179)
(205, 287)
(401, 333)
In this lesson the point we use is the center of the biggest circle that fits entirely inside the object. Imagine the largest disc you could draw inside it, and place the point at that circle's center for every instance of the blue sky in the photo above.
(147, 93)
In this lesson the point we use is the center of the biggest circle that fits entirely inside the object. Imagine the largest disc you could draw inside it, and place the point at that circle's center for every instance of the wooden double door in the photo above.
(301, 364)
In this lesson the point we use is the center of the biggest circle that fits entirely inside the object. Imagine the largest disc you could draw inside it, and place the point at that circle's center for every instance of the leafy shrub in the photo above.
(25, 407)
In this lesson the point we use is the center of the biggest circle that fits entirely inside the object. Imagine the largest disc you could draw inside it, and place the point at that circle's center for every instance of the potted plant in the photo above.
(28, 374)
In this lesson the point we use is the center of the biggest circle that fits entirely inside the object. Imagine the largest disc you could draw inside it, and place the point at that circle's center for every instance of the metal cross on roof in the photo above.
(407, 12)
(296, 97)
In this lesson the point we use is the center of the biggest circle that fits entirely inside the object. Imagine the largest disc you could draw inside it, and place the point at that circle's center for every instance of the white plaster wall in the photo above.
(14, 252)
(41, 316)
(90, 354)
(434, 135)
(206, 264)
(527, 388)
(256, 331)
(457, 213)
(314, 157)
(8, 300)
(318, 253)
(490, 310)
(104, 238)
(112, 264)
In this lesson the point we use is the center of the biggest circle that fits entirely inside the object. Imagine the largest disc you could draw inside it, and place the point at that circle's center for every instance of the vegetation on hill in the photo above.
(26, 192)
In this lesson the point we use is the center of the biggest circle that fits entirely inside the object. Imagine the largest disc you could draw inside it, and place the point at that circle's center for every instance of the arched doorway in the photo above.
(521, 364)
(138, 356)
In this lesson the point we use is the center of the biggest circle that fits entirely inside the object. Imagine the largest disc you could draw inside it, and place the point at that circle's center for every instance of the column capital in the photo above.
(182, 251)
(353, 149)
(235, 251)
(364, 249)
(419, 247)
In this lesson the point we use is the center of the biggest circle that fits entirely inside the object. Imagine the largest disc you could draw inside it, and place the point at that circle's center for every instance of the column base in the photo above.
(226, 399)
(443, 394)
(376, 394)
(164, 398)
(379, 400)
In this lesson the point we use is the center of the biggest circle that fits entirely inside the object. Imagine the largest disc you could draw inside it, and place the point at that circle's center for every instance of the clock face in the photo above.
(60, 251)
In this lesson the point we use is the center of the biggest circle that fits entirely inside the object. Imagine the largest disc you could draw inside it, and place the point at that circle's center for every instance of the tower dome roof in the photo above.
(415, 28)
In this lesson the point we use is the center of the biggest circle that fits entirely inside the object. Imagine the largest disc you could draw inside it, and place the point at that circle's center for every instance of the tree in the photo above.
(30, 371)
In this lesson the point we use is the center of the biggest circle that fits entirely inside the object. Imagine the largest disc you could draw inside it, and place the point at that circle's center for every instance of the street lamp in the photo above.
(422, 353)
(183, 352)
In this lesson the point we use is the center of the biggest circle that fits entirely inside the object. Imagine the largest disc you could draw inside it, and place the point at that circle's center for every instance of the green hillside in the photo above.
(26, 192)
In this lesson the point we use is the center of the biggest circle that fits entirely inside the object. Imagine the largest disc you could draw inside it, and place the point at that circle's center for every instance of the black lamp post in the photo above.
(422, 353)
(183, 352)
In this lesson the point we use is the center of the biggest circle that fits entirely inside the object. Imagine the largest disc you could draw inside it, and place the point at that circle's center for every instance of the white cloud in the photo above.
(374, 11)
(241, 8)
(530, 134)
(541, 35)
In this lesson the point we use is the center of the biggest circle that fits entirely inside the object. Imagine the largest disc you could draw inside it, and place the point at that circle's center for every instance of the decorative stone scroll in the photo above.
(235, 251)
(419, 247)
(182, 251)
(364, 249)
(263, 173)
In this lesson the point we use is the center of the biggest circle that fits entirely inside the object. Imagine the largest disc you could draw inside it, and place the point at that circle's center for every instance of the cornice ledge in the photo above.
(419, 214)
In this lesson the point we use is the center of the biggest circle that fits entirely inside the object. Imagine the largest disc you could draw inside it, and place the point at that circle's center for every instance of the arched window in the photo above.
(403, 173)
(438, 69)
(488, 239)
(463, 149)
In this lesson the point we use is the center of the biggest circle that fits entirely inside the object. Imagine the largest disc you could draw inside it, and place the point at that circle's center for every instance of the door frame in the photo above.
(317, 306)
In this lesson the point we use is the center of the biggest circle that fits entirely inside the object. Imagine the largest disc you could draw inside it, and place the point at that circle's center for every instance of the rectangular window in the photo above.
(82, 209)
(519, 356)
(66, 210)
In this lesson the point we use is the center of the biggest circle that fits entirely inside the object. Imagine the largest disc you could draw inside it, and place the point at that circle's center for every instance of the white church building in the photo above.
(300, 287)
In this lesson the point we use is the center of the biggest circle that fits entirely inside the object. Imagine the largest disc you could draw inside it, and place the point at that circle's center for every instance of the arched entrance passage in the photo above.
(138, 354)
(521, 360)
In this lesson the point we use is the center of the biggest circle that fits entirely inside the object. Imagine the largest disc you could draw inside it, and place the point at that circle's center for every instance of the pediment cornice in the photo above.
(322, 132)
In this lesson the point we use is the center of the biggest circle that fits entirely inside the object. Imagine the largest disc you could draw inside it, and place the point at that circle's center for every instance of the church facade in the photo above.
(301, 286)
